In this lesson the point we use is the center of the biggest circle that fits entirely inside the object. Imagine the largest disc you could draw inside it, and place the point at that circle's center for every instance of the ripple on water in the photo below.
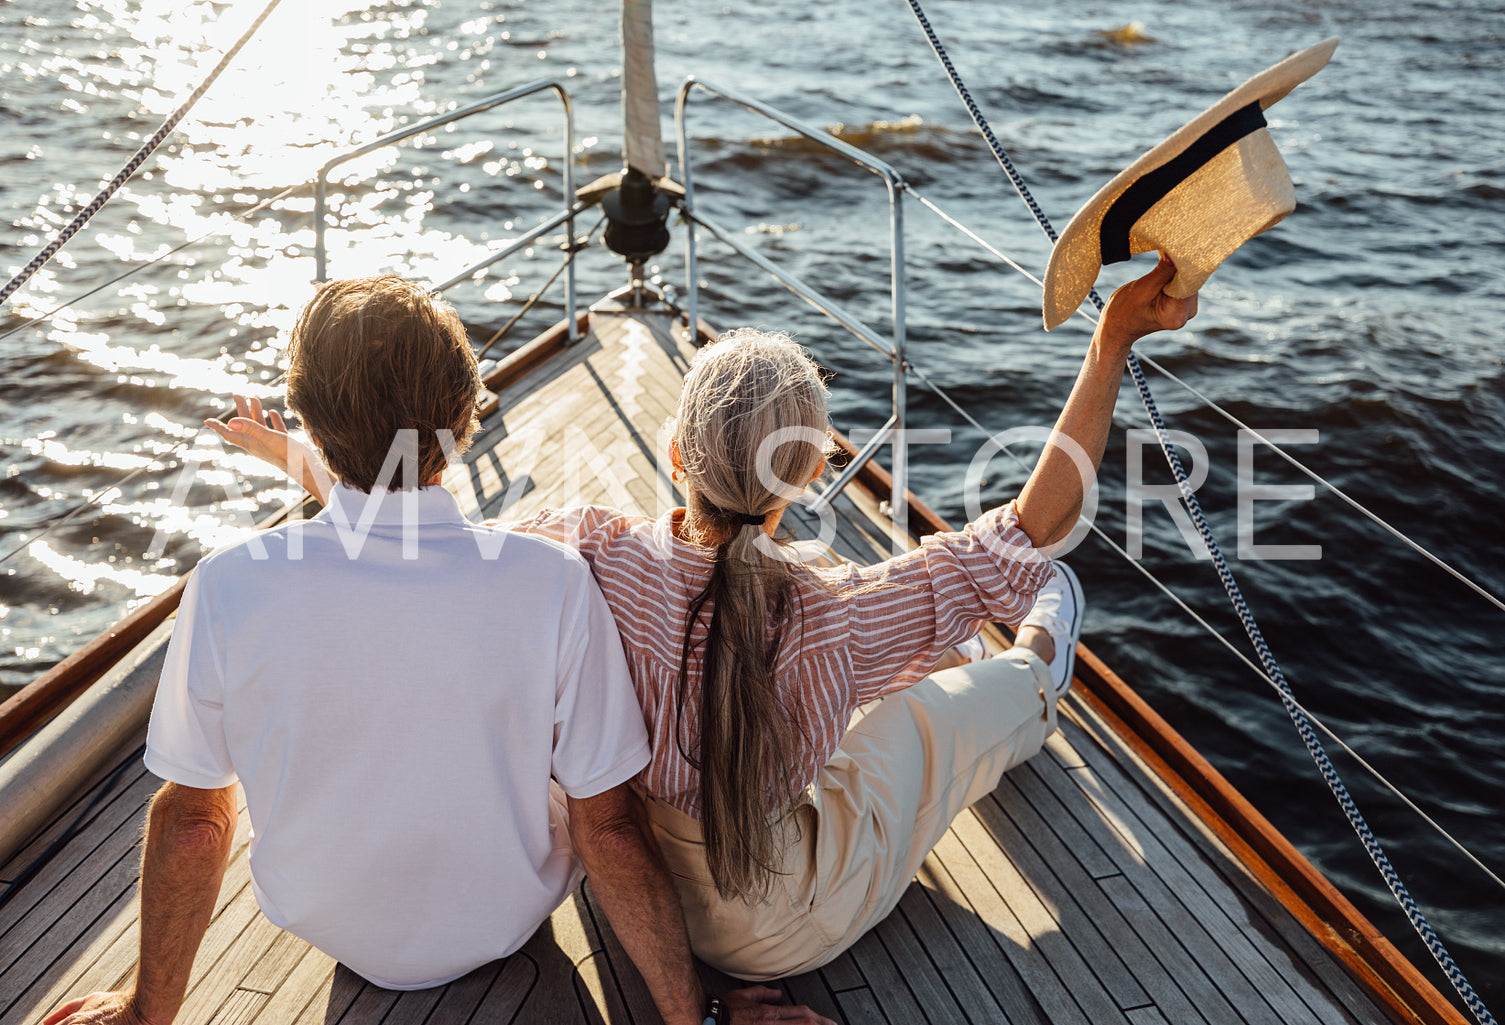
(1372, 314)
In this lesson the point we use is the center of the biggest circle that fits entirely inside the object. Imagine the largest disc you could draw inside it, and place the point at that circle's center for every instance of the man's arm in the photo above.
(188, 837)
(611, 834)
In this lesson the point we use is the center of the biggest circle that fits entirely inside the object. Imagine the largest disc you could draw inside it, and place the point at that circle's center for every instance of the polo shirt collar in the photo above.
(386, 506)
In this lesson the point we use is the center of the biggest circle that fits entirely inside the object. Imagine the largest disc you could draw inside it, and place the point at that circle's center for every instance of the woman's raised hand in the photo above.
(1141, 307)
(1051, 500)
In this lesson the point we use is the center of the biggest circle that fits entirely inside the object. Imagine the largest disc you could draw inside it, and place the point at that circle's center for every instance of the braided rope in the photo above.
(132, 165)
(1235, 595)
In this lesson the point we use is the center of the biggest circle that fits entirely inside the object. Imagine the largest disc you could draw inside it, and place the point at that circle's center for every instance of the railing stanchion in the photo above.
(898, 502)
(572, 330)
(319, 254)
(567, 217)
(687, 206)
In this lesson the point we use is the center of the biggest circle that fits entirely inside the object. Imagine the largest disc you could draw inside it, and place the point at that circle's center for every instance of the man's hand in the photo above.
(188, 837)
(760, 1004)
(263, 434)
(1141, 307)
(99, 1009)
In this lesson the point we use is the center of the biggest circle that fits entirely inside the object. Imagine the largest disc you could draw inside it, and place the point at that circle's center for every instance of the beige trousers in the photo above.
(904, 770)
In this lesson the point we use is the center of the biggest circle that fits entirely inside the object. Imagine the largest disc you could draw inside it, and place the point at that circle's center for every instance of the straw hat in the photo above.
(1199, 195)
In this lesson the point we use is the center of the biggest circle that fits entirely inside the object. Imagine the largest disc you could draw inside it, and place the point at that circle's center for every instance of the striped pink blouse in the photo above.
(874, 630)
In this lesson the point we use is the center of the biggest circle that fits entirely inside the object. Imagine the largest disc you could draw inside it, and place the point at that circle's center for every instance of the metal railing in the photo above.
(894, 349)
(565, 217)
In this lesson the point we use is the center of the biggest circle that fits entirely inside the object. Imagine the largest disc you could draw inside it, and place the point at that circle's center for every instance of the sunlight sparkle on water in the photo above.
(56, 452)
(221, 277)
(83, 576)
(182, 372)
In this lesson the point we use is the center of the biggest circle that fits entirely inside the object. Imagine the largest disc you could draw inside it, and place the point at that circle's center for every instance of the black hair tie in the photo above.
(753, 521)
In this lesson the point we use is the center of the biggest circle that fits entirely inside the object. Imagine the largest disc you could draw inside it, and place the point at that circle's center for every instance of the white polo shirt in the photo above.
(394, 686)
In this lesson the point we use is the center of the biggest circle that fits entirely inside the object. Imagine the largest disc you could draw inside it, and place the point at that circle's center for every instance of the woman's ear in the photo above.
(818, 471)
(674, 457)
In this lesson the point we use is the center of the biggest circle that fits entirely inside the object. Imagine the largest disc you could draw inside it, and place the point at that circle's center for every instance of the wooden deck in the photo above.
(1079, 891)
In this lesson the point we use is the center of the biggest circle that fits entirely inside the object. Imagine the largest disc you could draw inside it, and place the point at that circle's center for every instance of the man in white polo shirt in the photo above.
(394, 686)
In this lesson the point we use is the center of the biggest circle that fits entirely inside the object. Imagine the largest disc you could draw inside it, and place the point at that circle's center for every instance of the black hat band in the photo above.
(1153, 186)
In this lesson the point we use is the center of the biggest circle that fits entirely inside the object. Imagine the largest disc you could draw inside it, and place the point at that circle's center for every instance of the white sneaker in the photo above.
(972, 649)
(1058, 610)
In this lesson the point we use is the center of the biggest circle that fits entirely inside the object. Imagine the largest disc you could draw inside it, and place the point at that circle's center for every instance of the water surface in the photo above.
(1372, 315)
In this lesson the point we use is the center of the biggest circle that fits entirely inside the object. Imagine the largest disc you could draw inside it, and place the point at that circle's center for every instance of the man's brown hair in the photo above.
(370, 357)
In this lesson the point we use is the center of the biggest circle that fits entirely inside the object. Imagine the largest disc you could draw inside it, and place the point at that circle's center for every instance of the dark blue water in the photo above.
(1371, 316)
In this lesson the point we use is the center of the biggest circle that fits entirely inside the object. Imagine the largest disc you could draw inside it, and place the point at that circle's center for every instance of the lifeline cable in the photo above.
(1212, 404)
(1298, 716)
(100, 496)
(1138, 566)
(1217, 636)
(132, 165)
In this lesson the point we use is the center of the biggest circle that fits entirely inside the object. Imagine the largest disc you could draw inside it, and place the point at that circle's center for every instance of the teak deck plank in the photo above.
(999, 976)
(890, 986)
(1176, 984)
(69, 816)
(812, 992)
(860, 1005)
(312, 975)
(415, 1006)
(82, 897)
(842, 973)
(370, 1005)
(269, 973)
(1042, 928)
(32, 994)
(27, 914)
(1027, 788)
(464, 995)
(330, 1004)
(905, 954)
(933, 940)
(1232, 954)
(972, 899)
(1263, 921)
(106, 952)
(239, 1008)
(1080, 892)
(217, 970)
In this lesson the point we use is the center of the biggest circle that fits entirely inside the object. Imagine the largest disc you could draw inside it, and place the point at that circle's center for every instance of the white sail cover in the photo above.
(643, 145)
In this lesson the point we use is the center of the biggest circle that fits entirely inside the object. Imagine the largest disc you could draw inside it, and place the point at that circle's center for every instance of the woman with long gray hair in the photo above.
(804, 763)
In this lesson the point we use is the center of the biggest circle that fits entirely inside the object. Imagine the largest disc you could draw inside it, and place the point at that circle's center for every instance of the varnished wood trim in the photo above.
(529, 357)
(1369, 957)
(33, 706)
(30, 708)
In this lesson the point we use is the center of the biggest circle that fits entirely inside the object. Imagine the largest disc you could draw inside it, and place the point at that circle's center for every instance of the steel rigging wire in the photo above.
(1267, 659)
(134, 164)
